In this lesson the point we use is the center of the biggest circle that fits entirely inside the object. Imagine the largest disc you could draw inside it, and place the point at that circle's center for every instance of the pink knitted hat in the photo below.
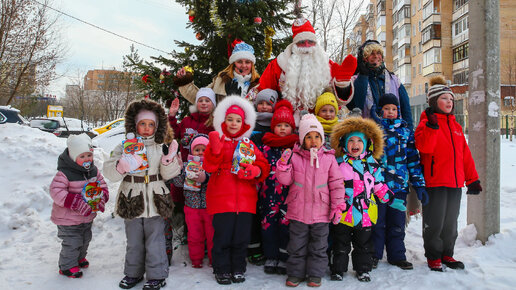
(199, 140)
(308, 124)
(146, 115)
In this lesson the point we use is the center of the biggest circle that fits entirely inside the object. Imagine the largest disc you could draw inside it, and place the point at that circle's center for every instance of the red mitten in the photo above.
(216, 143)
(344, 72)
(76, 203)
(248, 171)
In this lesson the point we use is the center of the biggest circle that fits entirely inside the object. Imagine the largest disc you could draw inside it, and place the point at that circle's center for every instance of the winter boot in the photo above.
(375, 262)
(435, 265)
(405, 265)
(84, 263)
(363, 276)
(258, 259)
(270, 266)
(238, 277)
(154, 284)
(223, 279)
(129, 282)
(313, 282)
(197, 264)
(281, 268)
(337, 276)
(293, 281)
(73, 272)
(450, 262)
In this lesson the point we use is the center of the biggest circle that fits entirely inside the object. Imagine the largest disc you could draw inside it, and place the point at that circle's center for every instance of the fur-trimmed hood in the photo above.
(220, 113)
(135, 107)
(371, 130)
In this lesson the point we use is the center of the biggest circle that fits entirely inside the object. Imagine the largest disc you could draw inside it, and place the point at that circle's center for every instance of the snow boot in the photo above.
(375, 263)
(154, 284)
(129, 282)
(405, 265)
(281, 268)
(197, 264)
(435, 265)
(84, 263)
(270, 266)
(73, 272)
(238, 277)
(313, 282)
(293, 281)
(258, 259)
(223, 279)
(450, 262)
(337, 276)
(363, 276)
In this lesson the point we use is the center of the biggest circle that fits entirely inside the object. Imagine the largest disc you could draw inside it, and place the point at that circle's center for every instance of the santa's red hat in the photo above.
(302, 29)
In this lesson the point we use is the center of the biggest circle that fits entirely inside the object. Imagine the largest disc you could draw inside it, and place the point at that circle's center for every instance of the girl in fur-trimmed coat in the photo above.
(231, 197)
(143, 199)
(359, 142)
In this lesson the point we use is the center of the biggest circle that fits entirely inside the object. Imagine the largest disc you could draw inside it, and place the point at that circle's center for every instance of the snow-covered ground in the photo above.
(29, 247)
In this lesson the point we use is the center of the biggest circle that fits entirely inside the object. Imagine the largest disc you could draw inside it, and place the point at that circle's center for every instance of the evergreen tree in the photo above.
(217, 24)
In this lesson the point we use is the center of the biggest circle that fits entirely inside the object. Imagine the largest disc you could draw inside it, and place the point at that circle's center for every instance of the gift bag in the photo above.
(244, 153)
(92, 194)
(134, 145)
(193, 167)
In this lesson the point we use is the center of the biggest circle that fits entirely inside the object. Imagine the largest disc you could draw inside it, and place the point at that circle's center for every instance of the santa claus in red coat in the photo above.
(303, 71)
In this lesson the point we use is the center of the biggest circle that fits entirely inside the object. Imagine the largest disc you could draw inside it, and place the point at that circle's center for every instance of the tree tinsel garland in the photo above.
(269, 33)
(215, 18)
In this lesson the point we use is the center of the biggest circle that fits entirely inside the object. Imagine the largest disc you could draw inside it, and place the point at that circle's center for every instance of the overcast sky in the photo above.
(156, 23)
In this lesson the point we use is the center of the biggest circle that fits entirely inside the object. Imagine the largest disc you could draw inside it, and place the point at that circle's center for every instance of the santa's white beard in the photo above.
(306, 76)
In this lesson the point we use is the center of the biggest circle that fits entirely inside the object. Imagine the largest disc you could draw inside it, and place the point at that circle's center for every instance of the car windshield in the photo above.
(47, 124)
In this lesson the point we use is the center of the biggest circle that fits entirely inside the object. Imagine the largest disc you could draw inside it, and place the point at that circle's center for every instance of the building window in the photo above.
(460, 53)
(419, 69)
(458, 4)
(460, 26)
(414, 53)
(432, 56)
(380, 7)
(428, 10)
(431, 32)
(414, 71)
(461, 77)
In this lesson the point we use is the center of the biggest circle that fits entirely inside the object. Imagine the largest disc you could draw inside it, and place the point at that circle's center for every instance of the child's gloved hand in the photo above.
(422, 195)
(282, 163)
(474, 188)
(216, 142)
(102, 204)
(192, 175)
(76, 203)
(201, 176)
(374, 115)
(172, 152)
(398, 204)
(129, 163)
(248, 171)
(432, 118)
(336, 213)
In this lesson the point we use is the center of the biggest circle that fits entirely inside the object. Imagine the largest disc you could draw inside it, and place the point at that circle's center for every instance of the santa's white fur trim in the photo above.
(220, 113)
(305, 35)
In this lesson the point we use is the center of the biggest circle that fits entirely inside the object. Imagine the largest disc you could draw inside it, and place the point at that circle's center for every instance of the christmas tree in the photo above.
(217, 24)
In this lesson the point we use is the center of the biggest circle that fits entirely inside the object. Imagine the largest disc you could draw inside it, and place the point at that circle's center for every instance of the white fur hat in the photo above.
(220, 113)
(78, 144)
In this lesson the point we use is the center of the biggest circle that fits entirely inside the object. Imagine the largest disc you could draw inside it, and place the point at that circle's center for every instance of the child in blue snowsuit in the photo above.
(400, 165)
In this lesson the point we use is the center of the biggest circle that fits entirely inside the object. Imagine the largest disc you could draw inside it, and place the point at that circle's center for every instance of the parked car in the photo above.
(9, 114)
(111, 125)
(110, 139)
(62, 126)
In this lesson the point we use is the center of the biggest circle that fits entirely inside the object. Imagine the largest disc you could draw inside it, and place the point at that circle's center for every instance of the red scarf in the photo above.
(244, 128)
(273, 140)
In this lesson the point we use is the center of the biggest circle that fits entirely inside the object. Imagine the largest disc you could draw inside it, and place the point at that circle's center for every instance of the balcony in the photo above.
(432, 69)
(460, 12)
(400, 4)
(461, 65)
(403, 40)
(431, 44)
(405, 60)
(433, 19)
(458, 39)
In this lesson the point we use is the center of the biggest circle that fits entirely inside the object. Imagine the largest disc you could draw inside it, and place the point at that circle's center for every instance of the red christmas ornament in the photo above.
(191, 18)
(258, 20)
(199, 36)
(145, 78)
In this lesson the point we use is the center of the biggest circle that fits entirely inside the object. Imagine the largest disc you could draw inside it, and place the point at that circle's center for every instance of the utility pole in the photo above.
(484, 114)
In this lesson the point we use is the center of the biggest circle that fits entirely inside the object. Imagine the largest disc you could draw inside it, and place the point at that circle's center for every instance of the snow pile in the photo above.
(29, 247)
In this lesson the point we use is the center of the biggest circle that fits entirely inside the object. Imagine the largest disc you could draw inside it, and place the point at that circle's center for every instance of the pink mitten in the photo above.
(201, 176)
(102, 204)
(336, 213)
(248, 171)
(172, 152)
(129, 163)
(216, 143)
(282, 163)
(76, 203)
(344, 72)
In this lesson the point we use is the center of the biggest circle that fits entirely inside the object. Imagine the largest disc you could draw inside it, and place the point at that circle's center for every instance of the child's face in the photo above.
(312, 140)
(199, 150)
(84, 157)
(390, 111)
(327, 112)
(146, 128)
(445, 103)
(282, 129)
(263, 107)
(204, 105)
(355, 146)
(233, 123)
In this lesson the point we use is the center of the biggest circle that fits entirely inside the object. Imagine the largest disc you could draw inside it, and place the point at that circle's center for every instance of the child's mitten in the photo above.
(474, 188)
(374, 114)
(336, 213)
(422, 195)
(76, 203)
(216, 143)
(102, 204)
(282, 163)
(129, 163)
(398, 204)
(432, 118)
(172, 152)
(248, 171)
(201, 176)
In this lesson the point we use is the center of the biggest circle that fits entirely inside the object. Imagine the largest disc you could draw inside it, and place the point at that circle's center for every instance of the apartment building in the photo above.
(423, 38)
(106, 80)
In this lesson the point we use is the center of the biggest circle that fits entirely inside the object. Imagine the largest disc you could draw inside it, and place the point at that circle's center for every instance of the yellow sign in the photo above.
(54, 111)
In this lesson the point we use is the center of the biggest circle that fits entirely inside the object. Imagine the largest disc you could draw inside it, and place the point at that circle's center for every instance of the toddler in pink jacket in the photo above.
(315, 198)
(78, 191)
